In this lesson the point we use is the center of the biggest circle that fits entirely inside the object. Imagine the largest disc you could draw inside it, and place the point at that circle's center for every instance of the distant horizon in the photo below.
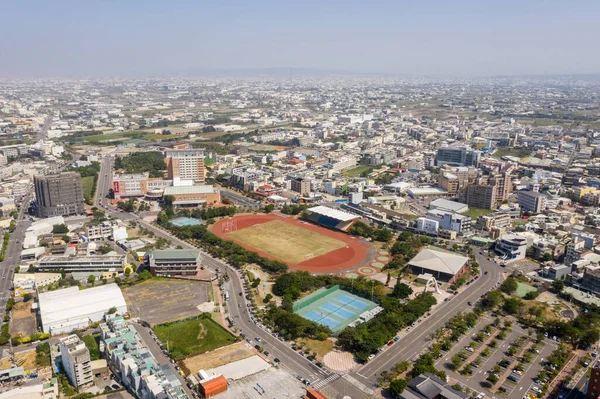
(293, 72)
(463, 38)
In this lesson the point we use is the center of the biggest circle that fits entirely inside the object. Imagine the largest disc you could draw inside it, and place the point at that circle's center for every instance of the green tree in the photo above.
(60, 229)
(558, 286)
(397, 387)
(509, 285)
(401, 290)
(168, 201)
(91, 279)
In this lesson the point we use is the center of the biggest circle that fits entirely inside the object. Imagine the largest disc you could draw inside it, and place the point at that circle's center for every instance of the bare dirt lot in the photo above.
(216, 358)
(158, 301)
(23, 320)
(25, 359)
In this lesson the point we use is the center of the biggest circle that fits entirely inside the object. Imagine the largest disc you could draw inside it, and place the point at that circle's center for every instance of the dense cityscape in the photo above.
(300, 200)
(318, 237)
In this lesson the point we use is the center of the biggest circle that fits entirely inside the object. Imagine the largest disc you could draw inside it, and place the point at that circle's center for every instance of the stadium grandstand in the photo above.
(331, 218)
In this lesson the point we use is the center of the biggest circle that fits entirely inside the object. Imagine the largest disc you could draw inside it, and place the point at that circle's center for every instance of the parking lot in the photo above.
(515, 376)
(161, 300)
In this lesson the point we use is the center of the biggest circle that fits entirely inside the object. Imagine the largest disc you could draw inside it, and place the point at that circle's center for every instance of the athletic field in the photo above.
(301, 245)
(286, 241)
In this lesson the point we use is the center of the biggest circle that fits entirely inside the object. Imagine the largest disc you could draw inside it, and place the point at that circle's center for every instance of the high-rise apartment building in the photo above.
(59, 195)
(185, 165)
(487, 192)
(76, 360)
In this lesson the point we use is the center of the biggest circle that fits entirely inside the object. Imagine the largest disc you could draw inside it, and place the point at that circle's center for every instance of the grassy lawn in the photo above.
(523, 289)
(88, 187)
(513, 152)
(476, 212)
(358, 171)
(321, 347)
(91, 342)
(191, 337)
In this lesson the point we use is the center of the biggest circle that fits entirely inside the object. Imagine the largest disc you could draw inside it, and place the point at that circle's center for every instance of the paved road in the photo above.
(238, 199)
(13, 254)
(416, 341)
(104, 182)
(42, 134)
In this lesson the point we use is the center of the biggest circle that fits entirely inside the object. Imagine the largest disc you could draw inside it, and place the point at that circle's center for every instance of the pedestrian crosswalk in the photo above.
(328, 380)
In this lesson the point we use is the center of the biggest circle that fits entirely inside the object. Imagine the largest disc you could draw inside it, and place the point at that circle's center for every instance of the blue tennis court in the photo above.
(351, 302)
(317, 317)
(332, 307)
(185, 221)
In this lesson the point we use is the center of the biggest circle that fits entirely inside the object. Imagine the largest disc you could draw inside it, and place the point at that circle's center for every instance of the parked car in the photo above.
(513, 378)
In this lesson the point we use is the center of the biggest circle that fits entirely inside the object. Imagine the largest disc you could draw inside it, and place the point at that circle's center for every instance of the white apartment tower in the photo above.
(76, 360)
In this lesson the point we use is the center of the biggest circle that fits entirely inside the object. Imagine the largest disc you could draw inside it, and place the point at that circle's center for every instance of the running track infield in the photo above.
(356, 252)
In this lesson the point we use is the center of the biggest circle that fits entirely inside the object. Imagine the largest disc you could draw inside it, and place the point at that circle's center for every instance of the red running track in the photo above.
(349, 257)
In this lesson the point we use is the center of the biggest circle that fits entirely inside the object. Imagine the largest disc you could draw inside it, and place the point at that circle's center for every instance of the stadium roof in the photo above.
(180, 190)
(333, 213)
(439, 261)
(72, 303)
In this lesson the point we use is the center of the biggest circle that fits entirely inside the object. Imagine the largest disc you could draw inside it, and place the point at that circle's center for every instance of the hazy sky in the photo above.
(426, 37)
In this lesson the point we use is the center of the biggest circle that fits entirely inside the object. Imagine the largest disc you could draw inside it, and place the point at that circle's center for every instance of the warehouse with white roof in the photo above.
(70, 309)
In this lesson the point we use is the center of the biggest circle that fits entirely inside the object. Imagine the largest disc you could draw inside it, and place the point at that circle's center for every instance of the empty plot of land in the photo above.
(23, 321)
(286, 241)
(158, 301)
(216, 358)
(194, 336)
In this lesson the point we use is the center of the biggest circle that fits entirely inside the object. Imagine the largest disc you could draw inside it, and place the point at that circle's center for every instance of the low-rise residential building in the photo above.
(590, 281)
(558, 272)
(451, 221)
(106, 231)
(575, 249)
(28, 283)
(495, 220)
(427, 226)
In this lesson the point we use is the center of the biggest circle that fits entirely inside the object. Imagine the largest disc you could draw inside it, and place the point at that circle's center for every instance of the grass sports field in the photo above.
(286, 241)
(191, 337)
